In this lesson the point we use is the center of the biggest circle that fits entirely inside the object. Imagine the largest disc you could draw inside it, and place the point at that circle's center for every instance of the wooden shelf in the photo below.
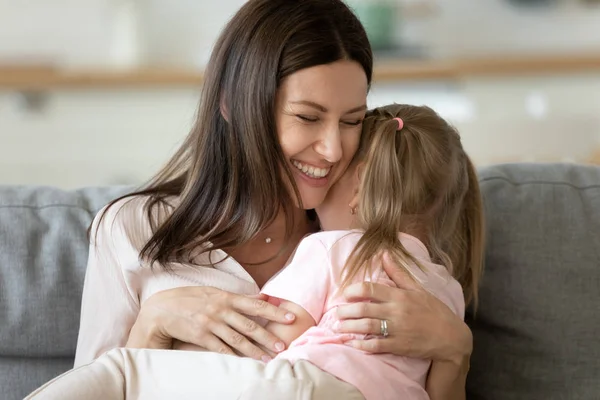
(48, 78)
(468, 67)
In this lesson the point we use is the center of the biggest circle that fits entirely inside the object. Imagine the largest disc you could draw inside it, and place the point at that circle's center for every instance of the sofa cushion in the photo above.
(43, 254)
(536, 330)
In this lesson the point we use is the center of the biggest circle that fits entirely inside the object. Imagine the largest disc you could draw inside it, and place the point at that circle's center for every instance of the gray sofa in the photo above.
(536, 331)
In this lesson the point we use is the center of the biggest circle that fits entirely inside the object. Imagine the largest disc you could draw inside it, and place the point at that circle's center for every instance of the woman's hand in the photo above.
(210, 318)
(419, 324)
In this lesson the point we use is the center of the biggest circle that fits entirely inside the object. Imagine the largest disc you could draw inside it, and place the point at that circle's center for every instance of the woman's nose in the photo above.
(330, 144)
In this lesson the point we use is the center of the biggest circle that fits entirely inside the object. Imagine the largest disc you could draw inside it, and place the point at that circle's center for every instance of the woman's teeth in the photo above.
(312, 171)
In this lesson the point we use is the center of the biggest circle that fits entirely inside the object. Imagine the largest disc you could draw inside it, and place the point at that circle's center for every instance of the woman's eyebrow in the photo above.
(324, 109)
(357, 109)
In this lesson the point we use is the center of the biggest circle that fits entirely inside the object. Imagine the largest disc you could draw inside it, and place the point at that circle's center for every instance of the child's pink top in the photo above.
(312, 280)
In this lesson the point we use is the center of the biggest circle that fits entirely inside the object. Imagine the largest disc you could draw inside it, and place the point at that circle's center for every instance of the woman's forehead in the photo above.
(339, 87)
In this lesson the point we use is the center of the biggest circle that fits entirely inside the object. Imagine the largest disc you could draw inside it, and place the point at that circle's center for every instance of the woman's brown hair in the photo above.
(418, 180)
(227, 175)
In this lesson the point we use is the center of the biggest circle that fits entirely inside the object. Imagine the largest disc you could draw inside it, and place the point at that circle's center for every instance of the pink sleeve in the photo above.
(306, 280)
(450, 293)
(109, 307)
(455, 298)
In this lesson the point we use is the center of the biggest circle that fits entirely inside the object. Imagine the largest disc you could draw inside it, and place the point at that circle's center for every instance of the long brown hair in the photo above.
(418, 179)
(227, 174)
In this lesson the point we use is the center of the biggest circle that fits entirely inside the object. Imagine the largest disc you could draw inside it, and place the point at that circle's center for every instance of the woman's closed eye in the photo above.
(353, 123)
(307, 118)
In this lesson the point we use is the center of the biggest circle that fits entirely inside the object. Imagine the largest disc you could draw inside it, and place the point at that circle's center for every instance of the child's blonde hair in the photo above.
(418, 180)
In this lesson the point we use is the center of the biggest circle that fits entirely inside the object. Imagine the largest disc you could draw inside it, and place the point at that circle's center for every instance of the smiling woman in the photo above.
(319, 125)
(231, 202)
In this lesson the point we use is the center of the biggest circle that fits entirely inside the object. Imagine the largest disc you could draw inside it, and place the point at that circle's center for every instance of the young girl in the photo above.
(410, 195)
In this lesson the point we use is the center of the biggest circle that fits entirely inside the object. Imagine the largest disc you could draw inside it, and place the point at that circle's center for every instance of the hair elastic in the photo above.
(400, 123)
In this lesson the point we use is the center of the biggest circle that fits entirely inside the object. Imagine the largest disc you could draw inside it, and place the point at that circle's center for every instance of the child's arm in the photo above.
(448, 377)
(289, 333)
(447, 380)
(302, 288)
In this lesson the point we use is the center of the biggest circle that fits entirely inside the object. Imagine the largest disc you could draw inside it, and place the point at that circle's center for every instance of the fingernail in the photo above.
(290, 316)
(336, 325)
(266, 359)
(279, 346)
(350, 343)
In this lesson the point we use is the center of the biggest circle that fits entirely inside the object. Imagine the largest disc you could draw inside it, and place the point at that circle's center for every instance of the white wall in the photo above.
(554, 118)
(80, 138)
(83, 138)
(102, 32)
(467, 27)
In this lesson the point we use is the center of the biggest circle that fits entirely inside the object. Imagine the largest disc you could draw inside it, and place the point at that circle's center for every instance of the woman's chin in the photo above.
(312, 202)
(312, 197)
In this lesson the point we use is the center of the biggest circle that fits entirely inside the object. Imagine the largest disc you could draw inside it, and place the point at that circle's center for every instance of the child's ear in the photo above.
(356, 180)
(354, 202)
(358, 173)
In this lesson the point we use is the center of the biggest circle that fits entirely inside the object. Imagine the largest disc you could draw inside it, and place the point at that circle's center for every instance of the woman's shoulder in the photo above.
(134, 218)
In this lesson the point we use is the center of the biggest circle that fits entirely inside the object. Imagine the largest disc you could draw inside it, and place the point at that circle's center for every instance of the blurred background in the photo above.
(101, 92)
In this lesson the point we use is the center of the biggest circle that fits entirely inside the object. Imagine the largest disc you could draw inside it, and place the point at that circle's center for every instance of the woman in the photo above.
(180, 263)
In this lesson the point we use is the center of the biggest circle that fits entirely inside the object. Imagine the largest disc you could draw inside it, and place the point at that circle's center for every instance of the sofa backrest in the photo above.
(536, 330)
(535, 333)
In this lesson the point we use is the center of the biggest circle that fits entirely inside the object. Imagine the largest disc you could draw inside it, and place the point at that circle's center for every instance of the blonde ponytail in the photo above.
(380, 199)
(469, 241)
(419, 181)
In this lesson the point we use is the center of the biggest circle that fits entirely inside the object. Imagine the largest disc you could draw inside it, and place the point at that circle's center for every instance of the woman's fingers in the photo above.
(400, 277)
(368, 291)
(362, 310)
(374, 345)
(366, 326)
(210, 318)
(212, 343)
(251, 329)
(237, 341)
(258, 307)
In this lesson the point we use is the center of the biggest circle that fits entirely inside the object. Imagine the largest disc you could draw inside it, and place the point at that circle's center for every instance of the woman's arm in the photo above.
(108, 308)
(111, 315)
(420, 326)
(209, 318)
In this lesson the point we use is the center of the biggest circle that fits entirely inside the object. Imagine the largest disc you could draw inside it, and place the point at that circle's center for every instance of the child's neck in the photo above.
(419, 232)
